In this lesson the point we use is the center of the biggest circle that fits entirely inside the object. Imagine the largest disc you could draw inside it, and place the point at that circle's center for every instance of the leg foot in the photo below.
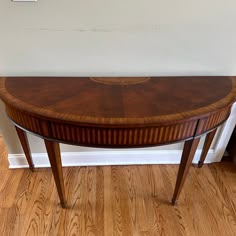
(174, 201)
(63, 205)
(200, 164)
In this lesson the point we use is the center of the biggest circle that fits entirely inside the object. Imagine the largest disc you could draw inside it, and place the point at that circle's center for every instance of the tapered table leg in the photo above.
(209, 137)
(189, 150)
(54, 156)
(25, 145)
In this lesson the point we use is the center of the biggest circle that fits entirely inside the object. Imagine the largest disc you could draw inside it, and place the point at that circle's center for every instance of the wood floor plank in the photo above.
(121, 213)
(108, 214)
(118, 200)
(224, 177)
(164, 210)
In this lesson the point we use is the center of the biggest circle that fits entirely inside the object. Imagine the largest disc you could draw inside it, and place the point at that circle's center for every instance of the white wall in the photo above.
(108, 37)
(74, 37)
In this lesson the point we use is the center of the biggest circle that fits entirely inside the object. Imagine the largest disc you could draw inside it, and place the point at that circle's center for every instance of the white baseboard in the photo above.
(101, 158)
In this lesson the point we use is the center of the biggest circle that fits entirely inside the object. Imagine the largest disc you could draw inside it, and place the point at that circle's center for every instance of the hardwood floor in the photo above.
(118, 200)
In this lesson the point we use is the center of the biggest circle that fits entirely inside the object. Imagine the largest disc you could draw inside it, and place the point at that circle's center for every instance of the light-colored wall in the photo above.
(110, 37)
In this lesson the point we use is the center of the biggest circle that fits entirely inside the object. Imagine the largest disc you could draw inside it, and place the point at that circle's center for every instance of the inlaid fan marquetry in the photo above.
(120, 80)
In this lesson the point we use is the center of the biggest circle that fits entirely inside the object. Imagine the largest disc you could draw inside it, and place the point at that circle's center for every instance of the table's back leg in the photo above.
(54, 156)
(189, 150)
(25, 145)
(209, 138)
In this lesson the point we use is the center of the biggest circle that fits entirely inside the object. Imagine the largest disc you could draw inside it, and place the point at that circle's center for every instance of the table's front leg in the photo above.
(189, 150)
(209, 138)
(25, 145)
(54, 156)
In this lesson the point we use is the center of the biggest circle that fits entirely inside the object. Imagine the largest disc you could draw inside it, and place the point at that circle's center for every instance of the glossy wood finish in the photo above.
(119, 104)
(209, 138)
(118, 200)
(94, 135)
(25, 145)
(84, 112)
(119, 112)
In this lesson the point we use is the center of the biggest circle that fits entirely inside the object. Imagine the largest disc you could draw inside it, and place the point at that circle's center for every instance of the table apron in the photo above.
(112, 137)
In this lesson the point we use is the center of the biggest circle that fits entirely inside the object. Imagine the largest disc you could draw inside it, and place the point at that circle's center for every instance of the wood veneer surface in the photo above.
(155, 99)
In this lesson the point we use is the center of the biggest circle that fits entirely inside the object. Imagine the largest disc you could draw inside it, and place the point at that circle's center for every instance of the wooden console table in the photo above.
(118, 113)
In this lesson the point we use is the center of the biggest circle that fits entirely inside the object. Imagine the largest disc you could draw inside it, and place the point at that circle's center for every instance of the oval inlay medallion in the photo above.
(120, 80)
